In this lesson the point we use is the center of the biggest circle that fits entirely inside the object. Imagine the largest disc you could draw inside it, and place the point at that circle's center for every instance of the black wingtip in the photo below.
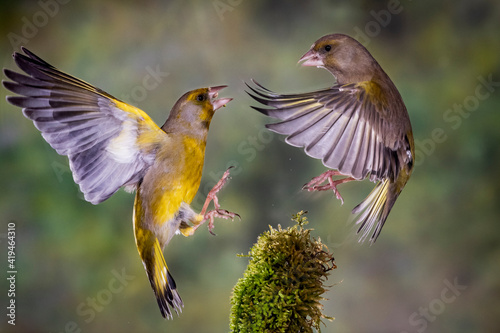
(260, 94)
(260, 89)
(259, 85)
(261, 110)
(10, 74)
(9, 85)
(23, 62)
(30, 55)
(30, 59)
(16, 54)
(250, 87)
(258, 98)
(16, 100)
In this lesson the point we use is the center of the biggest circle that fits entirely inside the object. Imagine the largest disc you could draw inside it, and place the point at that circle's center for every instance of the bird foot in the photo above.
(221, 213)
(315, 183)
(217, 212)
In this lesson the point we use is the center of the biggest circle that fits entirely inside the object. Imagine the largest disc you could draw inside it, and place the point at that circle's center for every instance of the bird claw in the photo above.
(327, 187)
(220, 213)
(314, 184)
(337, 194)
(217, 212)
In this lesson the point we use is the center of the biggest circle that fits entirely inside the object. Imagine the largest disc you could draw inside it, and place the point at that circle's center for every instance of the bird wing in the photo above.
(338, 125)
(108, 142)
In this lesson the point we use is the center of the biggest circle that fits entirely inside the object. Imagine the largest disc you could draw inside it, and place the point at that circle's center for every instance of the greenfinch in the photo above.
(359, 128)
(111, 144)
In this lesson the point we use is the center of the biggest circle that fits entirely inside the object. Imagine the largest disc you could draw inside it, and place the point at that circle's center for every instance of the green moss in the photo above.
(283, 283)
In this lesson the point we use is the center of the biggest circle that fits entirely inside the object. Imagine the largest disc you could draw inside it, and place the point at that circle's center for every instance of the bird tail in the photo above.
(373, 211)
(161, 280)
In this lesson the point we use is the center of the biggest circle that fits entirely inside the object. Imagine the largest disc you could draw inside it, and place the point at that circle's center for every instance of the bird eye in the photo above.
(328, 48)
(200, 97)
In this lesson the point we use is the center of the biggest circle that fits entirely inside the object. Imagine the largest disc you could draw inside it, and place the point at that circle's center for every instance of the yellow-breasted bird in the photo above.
(359, 127)
(111, 144)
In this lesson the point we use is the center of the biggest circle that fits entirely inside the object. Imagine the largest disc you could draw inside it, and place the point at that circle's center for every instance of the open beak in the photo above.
(311, 58)
(213, 93)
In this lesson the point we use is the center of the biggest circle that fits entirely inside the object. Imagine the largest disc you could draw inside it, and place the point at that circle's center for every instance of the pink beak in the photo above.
(311, 58)
(213, 92)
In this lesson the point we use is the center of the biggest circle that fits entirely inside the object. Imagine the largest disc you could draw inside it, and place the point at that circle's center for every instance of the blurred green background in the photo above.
(77, 264)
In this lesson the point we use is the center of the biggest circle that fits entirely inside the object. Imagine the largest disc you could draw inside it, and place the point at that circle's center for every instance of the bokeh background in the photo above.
(435, 267)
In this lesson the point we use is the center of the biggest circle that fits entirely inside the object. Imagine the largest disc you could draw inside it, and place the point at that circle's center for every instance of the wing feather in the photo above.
(338, 125)
(96, 131)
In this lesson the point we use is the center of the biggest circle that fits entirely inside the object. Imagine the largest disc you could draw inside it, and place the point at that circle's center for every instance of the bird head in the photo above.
(343, 56)
(195, 109)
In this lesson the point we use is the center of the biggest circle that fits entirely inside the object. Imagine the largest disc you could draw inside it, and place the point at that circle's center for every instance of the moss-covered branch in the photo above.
(283, 283)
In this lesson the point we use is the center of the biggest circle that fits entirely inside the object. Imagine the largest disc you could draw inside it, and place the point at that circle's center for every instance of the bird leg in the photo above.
(217, 212)
(314, 184)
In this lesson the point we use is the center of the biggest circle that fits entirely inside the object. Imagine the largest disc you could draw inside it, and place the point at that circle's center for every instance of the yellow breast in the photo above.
(174, 179)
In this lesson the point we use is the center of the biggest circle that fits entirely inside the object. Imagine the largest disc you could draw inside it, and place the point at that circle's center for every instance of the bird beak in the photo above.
(213, 92)
(311, 58)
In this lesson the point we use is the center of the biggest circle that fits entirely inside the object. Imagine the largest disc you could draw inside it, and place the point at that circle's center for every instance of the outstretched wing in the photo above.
(98, 132)
(338, 125)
